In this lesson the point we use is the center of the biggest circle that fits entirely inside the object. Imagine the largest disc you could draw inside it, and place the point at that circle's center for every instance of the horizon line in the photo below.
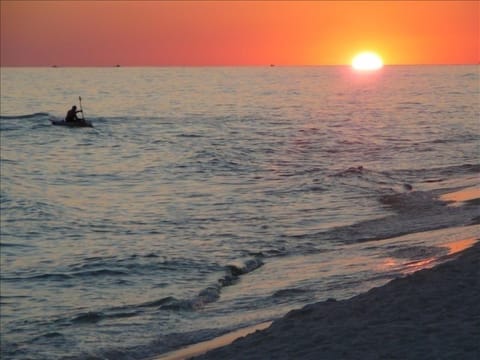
(228, 65)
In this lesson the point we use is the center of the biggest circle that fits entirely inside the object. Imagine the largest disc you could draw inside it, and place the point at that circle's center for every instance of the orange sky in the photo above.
(149, 33)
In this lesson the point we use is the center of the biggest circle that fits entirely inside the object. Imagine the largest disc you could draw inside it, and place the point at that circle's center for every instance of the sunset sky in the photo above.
(164, 33)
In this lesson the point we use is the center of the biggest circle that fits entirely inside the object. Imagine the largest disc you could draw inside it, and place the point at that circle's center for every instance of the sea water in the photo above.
(208, 199)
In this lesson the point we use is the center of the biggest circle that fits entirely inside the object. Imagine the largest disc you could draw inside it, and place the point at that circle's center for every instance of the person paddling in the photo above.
(72, 115)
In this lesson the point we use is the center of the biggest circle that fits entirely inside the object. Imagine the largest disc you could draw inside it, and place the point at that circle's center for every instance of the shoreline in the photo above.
(299, 333)
(415, 314)
(431, 314)
(202, 347)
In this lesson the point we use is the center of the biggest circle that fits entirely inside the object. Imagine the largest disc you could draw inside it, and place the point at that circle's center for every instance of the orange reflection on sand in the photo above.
(389, 263)
(413, 266)
(453, 248)
(462, 195)
(201, 348)
(406, 267)
(420, 265)
(460, 245)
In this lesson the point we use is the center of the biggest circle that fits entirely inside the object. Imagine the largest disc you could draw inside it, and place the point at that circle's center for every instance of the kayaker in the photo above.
(72, 115)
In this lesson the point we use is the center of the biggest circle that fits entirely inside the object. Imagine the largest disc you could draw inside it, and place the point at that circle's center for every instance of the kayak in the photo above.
(72, 114)
(83, 123)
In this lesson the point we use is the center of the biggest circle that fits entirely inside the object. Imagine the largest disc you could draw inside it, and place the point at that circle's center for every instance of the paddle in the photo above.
(80, 100)
(83, 120)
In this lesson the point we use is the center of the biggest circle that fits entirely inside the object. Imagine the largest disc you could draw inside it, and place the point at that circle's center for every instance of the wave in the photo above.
(67, 276)
(464, 168)
(410, 211)
(207, 295)
(418, 252)
(414, 211)
(411, 201)
(212, 292)
(292, 292)
(96, 316)
(14, 245)
(396, 181)
(27, 116)
(370, 181)
(445, 171)
(190, 135)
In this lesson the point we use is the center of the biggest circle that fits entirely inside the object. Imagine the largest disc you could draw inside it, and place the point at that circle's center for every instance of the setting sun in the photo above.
(367, 61)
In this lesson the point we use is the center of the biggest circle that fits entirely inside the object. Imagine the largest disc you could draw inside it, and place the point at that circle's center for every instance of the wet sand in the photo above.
(200, 348)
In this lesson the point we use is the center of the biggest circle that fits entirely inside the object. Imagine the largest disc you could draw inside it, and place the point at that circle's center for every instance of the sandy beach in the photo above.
(433, 313)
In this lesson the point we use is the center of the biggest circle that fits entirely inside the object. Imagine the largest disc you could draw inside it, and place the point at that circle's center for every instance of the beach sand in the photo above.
(430, 314)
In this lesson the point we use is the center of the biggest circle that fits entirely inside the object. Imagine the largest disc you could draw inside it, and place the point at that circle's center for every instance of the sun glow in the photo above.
(367, 61)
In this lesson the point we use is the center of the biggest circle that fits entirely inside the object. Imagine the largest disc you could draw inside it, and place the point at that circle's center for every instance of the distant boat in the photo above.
(272, 65)
(118, 65)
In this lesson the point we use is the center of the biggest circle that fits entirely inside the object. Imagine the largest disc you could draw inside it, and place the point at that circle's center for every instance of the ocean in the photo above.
(206, 199)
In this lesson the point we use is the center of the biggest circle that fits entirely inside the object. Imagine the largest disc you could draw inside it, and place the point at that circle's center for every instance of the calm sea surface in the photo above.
(207, 199)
